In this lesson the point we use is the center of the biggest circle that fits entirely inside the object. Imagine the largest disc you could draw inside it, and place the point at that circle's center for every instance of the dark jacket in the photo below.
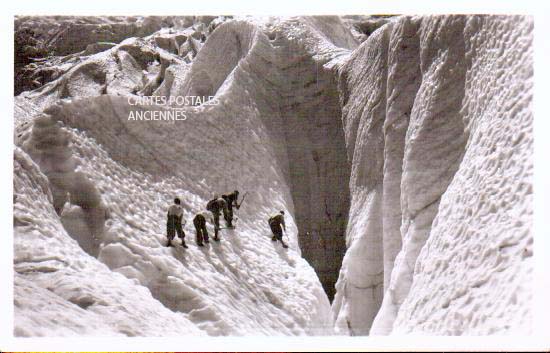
(277, 221)
(231, 200)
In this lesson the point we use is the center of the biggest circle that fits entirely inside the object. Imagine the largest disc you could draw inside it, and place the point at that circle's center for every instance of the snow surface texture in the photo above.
(437, 116)
(38, 37)
(70, 34)
(412, 150)
(110, 180)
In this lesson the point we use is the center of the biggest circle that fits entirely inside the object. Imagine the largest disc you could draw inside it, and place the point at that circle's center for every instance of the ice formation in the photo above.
(437, 114)
(128, 172)
(399, 147)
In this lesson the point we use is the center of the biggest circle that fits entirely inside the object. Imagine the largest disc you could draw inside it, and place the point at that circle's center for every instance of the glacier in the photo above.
(400, 148)
(441, 213)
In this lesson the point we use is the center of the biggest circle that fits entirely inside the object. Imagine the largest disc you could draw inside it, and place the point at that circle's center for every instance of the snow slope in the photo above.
(59, 289)
(437, 116)
(106, 183)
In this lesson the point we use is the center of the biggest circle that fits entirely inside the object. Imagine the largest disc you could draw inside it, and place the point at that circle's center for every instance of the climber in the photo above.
(216, 205)
(200, 227)
(277, 225)
(230, 199)
(174, 223)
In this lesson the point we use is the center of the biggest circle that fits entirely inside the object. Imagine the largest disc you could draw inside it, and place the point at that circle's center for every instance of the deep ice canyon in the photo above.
(403, 158)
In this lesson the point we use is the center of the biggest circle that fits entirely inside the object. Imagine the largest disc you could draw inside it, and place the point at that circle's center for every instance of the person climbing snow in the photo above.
(174, 223)
(231, 200)
(200, 227)
(216, 206)
(277, 225)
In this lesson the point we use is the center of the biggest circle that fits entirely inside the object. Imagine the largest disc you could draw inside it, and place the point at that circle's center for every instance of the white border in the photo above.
(539, 341)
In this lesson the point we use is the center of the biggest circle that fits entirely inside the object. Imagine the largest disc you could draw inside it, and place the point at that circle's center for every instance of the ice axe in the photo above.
(242, 200)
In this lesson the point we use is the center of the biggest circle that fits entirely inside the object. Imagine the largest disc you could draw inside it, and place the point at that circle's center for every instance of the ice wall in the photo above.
(437, 119)
(318, 171)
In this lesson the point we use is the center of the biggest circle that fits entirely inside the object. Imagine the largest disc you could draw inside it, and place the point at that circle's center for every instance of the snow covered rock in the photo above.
(438, 124)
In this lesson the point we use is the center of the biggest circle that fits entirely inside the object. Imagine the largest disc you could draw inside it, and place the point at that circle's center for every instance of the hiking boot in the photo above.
(169, 243)
(273, 238)
(207, 241)
(216, 239)
(200, 244)
(285, 246)
(183, 244)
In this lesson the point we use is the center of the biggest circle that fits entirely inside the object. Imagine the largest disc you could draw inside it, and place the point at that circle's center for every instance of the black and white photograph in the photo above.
(241, 175)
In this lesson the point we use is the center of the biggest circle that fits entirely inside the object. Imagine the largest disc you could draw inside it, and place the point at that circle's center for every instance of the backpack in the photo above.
(213, 206)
